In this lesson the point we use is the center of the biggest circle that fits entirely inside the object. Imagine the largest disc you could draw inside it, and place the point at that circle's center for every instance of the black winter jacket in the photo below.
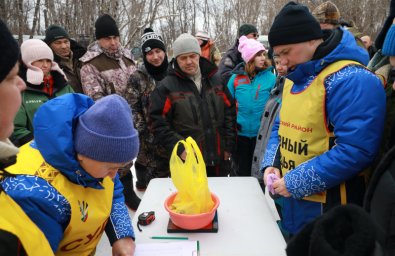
(177, 111)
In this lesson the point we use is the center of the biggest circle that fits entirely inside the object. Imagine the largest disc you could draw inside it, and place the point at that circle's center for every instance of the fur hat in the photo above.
(33, 50)
(10, 53)
(249, 48)
(186, 43)
(294, 24)
(105, 132)
(106, 26)
(344, 230)
(327, 12)
(55, 32)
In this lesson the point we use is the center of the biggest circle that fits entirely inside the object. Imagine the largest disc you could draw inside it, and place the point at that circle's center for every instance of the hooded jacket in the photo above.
(251, 96)
(355, 111)
(52, 213)
(102, 75)
(229, 61)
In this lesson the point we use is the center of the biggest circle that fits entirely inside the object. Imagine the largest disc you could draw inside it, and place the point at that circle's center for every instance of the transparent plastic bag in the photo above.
(190, 179)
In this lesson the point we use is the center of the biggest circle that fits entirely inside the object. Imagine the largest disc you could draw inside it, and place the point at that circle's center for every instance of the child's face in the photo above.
(99, 169)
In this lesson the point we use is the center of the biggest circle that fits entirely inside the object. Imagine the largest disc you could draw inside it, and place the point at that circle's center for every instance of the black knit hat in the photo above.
(151, 40)
(10, 53)
(55, 32)
(106, 26)
(246, 29)
(294, 24)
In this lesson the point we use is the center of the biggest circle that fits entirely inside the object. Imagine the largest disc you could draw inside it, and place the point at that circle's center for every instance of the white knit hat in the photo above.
(33, 50)
(185, 43)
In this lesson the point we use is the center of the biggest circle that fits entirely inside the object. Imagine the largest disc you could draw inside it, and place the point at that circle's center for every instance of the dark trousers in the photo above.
(243, 156)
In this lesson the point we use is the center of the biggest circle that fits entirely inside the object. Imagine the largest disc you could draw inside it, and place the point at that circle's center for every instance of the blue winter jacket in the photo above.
(355, 106)
(53, 132)
(251, 97)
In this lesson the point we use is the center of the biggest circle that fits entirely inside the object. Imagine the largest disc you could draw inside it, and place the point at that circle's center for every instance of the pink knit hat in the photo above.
(33, 50)
(249, 47)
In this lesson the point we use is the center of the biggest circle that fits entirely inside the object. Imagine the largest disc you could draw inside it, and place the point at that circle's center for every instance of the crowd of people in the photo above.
(309, 118)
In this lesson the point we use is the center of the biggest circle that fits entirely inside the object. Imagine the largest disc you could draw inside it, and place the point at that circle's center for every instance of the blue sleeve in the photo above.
(45, 206)
(119, 224)
(356, 109)
(231, 86)
(272, 153)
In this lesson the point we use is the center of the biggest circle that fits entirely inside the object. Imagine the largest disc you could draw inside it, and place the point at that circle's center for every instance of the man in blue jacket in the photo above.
(66, 179)
(331, 119)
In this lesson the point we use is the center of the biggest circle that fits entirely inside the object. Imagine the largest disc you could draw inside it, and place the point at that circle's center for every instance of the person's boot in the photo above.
(131, 199)
(141, 175)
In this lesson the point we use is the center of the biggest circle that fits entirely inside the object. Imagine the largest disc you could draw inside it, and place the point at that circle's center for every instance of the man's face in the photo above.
(110, 43)
(189, 63)
(10, 101)
(291, 55)
(61, 47)
(155, 57)
(366, 41)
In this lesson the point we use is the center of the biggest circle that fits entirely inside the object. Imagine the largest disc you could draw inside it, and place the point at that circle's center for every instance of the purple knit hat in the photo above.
(249, 47)
(105, 132)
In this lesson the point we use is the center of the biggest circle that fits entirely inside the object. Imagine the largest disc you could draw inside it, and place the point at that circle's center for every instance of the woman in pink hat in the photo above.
(44, 80)
(250, 85)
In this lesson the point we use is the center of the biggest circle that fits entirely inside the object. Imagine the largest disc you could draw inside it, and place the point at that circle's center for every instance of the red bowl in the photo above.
(191, 221)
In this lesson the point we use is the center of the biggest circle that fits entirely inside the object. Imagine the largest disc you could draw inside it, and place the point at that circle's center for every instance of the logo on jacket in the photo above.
(84, 210)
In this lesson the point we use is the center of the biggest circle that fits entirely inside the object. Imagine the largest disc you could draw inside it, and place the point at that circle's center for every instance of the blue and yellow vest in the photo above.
(14, 220)
(90, 208)
(303, 131)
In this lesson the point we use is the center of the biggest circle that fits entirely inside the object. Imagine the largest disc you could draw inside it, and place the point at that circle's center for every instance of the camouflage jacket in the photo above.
(103, 75)
(140, 87)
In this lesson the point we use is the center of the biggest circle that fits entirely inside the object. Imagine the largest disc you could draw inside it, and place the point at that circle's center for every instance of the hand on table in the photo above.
(123, 247)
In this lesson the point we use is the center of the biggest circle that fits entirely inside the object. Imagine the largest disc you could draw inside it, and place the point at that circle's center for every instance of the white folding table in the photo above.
(246, 226)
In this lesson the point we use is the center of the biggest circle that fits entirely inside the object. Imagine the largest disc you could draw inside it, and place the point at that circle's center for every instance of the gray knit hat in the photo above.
(185, 43)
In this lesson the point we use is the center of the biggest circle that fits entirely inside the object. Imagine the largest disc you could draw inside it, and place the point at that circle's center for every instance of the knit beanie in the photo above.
(389, 42)
(327, 12)
(105, 132)
(33, 50)
(249, 47)
(10, 52)
(294, 24)
(55, 32)
(151, 40)
(106, 26)
(246, 29)
(185, 43)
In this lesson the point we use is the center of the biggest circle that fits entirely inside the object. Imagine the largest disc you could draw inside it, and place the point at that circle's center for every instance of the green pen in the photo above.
(170, 237)
(198, 248)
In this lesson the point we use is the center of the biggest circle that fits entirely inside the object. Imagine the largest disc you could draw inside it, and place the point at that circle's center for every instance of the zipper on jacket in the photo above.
(194, 113)
(214, 108)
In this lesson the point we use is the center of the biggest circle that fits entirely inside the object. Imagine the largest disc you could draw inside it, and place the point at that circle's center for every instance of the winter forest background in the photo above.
(170, 18)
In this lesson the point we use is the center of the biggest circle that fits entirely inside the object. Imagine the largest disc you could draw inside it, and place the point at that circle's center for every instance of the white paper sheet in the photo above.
(176, 248)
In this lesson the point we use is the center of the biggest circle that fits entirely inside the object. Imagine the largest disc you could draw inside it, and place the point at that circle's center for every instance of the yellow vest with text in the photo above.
(303, 131)
(14, 220)
(90, 208)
